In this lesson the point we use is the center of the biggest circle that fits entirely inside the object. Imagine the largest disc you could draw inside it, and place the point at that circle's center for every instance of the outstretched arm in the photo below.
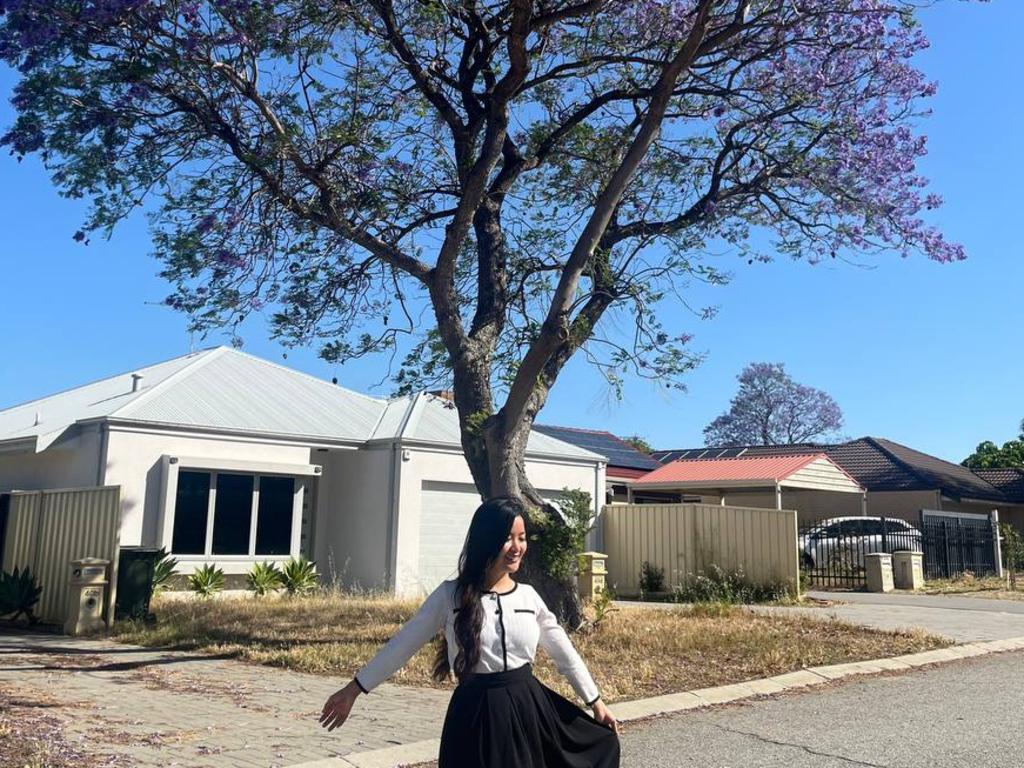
(413, 635)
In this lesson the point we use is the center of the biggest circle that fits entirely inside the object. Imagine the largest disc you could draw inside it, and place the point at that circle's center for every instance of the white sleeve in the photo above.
(557, 645)
(413, 635)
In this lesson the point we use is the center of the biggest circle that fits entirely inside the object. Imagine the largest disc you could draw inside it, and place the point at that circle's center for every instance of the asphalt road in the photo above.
(962, 714)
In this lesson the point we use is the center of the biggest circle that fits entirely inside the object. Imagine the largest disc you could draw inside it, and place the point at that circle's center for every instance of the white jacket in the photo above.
(515, 622)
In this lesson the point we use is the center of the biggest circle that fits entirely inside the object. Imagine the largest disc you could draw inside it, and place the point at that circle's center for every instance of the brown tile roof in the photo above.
(1009, 481)
(883, 465)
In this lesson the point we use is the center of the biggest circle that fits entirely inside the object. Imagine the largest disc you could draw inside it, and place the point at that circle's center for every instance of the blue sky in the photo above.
(922, 353)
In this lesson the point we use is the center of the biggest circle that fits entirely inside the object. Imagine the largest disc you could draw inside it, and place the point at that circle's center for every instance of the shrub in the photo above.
(717, 586)
(207, 581)
(263, 578)
(652, 578)
(1013, 551)
(555, 545)
(19, 594)
(162, 571)
(298, 577)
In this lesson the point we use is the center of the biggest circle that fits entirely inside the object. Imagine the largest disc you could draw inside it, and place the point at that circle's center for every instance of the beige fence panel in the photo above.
(685, 539)
(46, 530)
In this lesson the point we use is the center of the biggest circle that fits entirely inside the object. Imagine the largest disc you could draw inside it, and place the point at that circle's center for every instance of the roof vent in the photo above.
(136, 378)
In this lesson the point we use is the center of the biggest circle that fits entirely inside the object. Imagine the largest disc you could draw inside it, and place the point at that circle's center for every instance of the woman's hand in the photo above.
(603, 715)
(337, 708)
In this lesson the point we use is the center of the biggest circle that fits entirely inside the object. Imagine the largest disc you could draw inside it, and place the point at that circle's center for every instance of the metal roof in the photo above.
(226, 390)
(618, 452)
(769, 469)
(431, 418)
(233, 391)
(44, 420)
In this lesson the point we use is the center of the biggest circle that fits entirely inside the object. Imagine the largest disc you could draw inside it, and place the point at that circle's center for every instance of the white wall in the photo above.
(353, 516)
(71, 463)
(449, 467)
(134, 463)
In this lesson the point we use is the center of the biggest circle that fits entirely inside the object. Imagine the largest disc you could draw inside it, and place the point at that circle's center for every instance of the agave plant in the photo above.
(207, 581)
(299, 576)
(263, 578)
(162, 571)
(19, 594)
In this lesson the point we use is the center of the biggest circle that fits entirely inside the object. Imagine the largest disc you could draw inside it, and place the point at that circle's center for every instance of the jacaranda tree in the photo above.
(771, 409)
(494, 179)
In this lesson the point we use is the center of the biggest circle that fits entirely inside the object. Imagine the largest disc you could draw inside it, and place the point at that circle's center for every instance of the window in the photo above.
(274, 517)
(227, 513)
(191, 506)
(232, 514)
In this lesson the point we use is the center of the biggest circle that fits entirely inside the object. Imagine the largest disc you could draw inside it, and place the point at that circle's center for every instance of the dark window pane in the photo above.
(872, 527)
(190, 508)
(232, 514)
(274, 516)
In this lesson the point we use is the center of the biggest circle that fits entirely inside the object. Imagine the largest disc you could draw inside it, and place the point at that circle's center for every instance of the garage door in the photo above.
(446, 510)
(445, 513)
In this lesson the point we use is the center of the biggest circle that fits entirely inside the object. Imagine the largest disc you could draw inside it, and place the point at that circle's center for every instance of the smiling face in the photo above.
(513, 550)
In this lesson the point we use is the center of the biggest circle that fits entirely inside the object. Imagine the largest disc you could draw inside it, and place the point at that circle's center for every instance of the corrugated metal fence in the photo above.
(48, 529)
(685, 539)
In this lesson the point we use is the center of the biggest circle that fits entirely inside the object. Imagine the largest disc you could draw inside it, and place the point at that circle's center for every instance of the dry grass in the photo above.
(989, 587)
(636, 652)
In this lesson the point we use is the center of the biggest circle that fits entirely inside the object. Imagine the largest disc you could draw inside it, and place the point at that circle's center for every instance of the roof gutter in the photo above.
(20, 445)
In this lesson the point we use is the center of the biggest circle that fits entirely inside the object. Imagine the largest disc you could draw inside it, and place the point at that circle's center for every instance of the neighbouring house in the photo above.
(806, 482)
(227, 458)
(625, 462)
(899, 481)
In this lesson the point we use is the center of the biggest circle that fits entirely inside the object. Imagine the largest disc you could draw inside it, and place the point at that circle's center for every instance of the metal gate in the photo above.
(832, 550)
(955, 543)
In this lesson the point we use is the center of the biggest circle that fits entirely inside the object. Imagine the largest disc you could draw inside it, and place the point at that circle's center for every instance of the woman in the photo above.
(499, 715)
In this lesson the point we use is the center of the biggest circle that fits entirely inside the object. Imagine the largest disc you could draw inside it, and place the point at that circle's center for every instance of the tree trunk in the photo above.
(496, 459)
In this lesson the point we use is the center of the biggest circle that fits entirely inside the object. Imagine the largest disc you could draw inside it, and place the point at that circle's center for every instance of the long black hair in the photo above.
(488, 532)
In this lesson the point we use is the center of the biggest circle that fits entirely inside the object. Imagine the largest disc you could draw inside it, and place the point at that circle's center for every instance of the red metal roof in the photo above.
(764, 469)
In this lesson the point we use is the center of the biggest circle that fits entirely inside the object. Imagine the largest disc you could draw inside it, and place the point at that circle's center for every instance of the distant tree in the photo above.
(772, 409)
(988, 455)
(639, 443)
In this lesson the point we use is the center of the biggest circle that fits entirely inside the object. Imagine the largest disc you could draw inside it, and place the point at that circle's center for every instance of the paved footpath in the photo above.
(950, 716)
(155, 708)
(171, 708)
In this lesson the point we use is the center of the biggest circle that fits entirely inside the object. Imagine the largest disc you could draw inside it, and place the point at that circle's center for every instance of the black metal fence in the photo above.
(833, 550)
(955, 545)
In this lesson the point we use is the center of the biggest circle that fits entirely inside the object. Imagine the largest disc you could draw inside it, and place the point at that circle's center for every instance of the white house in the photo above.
(224, 457)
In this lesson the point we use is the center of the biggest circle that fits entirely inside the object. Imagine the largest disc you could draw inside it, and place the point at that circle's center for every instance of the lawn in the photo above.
(989, 586)
(635, 652)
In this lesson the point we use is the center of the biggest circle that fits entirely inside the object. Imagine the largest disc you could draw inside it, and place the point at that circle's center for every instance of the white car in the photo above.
(845, 540)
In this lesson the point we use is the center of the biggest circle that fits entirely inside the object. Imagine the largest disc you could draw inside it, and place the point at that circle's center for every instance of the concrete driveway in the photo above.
(961, 619)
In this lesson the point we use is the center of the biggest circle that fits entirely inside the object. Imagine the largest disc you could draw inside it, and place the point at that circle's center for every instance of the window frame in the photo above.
(301, 474)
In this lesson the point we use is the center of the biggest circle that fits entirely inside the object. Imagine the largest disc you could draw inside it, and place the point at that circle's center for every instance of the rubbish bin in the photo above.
(135, 581)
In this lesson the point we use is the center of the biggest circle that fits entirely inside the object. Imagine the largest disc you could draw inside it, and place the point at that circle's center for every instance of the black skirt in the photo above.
(509, 720)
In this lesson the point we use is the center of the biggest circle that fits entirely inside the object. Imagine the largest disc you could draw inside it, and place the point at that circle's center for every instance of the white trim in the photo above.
(244, 465)
(214, 433)
(171, 465)
(952, 513)
(454, 448)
